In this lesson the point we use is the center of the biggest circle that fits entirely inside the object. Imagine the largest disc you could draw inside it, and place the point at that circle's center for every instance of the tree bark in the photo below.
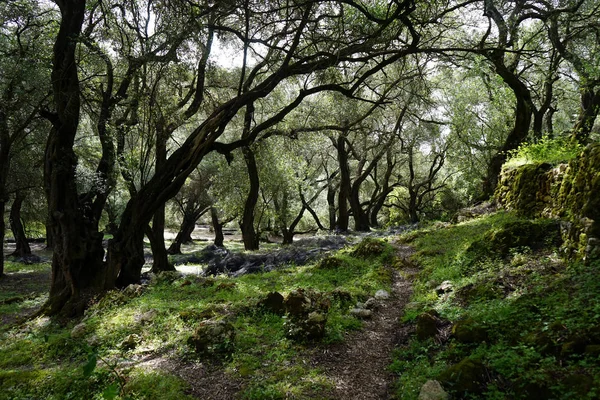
(4, 154)
(344, 190)
(249, 234)
(184, 235)
(217, 227)
(589, 108)
(16, 226)
(78, 272)
(160, 257)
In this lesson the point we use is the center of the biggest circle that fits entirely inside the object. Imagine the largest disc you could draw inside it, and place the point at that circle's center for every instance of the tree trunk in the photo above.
(185, 233)
(590, 106)
(249, 234)
(361, 219)
(160, 258)
(331, 206)
(2, 230)
(217, 227)
(22, 246)
(78, 272)
(344, 191)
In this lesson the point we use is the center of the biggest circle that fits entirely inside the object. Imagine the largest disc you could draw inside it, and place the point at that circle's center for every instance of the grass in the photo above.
(41, 359)
(540, 314)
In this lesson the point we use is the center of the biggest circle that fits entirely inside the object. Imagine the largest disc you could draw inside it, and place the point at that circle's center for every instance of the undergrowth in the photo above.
(41, 359)
(536, 316)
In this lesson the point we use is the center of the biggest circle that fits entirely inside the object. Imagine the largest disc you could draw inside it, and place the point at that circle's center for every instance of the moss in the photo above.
(369, 247)
(468, 376)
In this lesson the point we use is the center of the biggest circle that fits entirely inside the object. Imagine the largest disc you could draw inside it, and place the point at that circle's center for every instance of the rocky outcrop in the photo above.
(569, 193)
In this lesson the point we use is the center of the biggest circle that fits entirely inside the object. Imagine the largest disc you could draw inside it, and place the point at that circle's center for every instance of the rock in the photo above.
(361, 313)
(371, 304)
(306, 315)
(343, 296)
(78, 330)
(468, 376)
(130, 342)
(93, 340)
(273, 303)
(427, 325)
(468, 331)
(146, 317)
(382, 295)
(330, 263)
(444, 287)
(133, 290)
(369, 247)
(213, 337)
(432, 390)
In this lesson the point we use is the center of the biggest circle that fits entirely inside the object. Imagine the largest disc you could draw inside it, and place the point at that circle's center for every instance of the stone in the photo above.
(469, 332)
(213, 338)
(371, 304)
(444, 287)
(146, 317)
(306, 314)
(361, 313)
(468, 376)
(79, 330)
(427, 325)
(130, 342)
(369, 247)
(432, 390)
(133, 290)
(272, 303)
(330, 263)
(343, 296)
(382, 295)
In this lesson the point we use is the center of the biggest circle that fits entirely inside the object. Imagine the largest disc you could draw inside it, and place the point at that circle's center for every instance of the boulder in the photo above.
(382, 295)
(79, 330)
(444, 287)
(306, 315)
(213, 337)
(146, 318)
(330, 263)
(427, 325)
(272, 303)
(432, 390)
(130, 342)
(371, 304)
(468, 376)
(469, 331)
(369, 247)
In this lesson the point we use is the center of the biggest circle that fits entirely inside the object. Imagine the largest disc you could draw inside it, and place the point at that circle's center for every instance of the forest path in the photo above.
(358, 366)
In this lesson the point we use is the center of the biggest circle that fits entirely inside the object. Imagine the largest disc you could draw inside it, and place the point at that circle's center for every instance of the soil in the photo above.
(359, 365)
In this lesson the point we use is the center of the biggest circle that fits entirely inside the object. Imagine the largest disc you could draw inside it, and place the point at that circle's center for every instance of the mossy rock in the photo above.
(342, 296)
(524, 233)
(468, 331)
(369, 247)
(330, 263)
(531, 390)
(542, 342)
(477, 292)
(272, 303)
(427, 323)
(213, 338)
(466, 377)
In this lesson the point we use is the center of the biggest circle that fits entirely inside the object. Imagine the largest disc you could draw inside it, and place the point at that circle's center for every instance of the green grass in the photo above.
(539, 313)
(40, 359)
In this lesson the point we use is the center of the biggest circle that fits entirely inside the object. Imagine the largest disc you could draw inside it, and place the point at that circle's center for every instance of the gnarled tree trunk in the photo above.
(16, 226)
(249, 234)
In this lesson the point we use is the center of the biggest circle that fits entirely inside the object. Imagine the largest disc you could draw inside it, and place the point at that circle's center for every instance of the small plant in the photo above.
(547, 150)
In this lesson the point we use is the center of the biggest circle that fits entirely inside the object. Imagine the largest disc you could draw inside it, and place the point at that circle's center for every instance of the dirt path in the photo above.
(359, 366)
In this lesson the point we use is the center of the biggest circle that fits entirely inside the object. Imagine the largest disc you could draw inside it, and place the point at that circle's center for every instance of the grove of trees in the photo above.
(123, 116)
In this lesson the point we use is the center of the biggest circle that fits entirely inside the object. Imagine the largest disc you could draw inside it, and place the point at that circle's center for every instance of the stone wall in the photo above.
(568, 192)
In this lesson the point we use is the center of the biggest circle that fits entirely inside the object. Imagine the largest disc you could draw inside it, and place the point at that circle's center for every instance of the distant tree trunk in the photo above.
(184, 235)
(249, 235)
(331, 206)
(22, 246)
(160, 258)
(344, 189)
(2, 229)
(217, 227)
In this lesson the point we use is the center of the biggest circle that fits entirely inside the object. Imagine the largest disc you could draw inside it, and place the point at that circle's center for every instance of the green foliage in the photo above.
(536, 322)
(547, 150)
